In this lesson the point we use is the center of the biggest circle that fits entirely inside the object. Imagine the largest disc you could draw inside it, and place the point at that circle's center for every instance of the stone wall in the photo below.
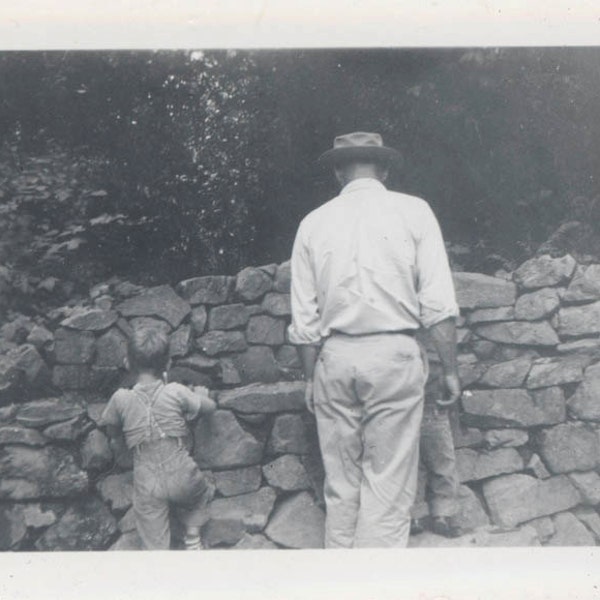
(527, 435)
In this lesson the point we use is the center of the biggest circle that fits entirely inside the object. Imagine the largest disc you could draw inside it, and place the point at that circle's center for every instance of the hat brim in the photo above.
(377, 154)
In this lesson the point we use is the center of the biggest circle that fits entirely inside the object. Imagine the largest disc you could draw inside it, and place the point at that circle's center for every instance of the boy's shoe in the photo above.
(443, 526)
(416, 526)
(192, 543)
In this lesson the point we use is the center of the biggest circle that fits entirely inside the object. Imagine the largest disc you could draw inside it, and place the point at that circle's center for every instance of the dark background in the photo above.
(157, 166)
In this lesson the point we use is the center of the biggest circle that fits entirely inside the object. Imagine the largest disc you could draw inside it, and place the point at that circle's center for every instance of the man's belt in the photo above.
(409, 332)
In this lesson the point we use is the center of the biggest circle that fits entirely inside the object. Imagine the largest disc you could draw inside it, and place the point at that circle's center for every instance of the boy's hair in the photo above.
(148, 350)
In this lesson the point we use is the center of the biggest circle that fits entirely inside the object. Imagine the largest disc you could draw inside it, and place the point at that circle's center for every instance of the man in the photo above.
(368, 269)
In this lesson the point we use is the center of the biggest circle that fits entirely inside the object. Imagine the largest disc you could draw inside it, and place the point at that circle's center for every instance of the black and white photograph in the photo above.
(326, 298)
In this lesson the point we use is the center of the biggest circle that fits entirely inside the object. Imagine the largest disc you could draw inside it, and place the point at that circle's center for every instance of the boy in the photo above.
(152, 419)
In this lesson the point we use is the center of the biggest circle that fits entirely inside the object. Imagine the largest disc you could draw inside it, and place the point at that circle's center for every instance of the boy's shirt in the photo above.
(174, 405)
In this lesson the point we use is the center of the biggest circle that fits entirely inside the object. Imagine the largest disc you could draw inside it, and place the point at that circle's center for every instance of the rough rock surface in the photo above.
(111, 349)
(544, 271)
(222, 532)
(471, 513)
(585, 402)
(569, 447)
(265, 330)
(514, 408)
(40, 413)
(12, 526)
(238, 481)
(264, 398)
(14, 434)
(257, 365)
(579, 320)
(297, 523)
(252, 283)
(255, 541)
(514, 499)
(252, 509)
(473, 465)
(221, 442)
(287, 473)
(505, 438)
(507, 374)
(91, 320)
(474, 290)
(210, 290)
(277, 305)
(228, 316)
(588, 485)
(117, 490)
(289, 435)
(482, 537)
(490, 315)
(537, 305)
(538, 333)
(570, 531)
(85, 526)
(585, 285)
(219, 342)
(546, 372)
(160, 302)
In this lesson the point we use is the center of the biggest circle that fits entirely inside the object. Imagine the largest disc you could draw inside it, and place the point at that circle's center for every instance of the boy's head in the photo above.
(148, 351)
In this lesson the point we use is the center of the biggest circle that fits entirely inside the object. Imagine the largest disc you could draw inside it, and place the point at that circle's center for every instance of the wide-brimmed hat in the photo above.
(359, 146)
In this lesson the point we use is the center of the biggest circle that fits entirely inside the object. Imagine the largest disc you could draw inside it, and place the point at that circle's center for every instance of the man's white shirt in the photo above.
(368, 261)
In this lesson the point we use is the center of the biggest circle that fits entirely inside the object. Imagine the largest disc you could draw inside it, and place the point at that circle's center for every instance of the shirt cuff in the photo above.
(432, 317)
(303, 338)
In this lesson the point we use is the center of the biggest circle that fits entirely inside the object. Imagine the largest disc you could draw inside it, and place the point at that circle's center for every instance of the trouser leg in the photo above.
(151, 511)
(438, 457)
(390, 386)
(338, 416)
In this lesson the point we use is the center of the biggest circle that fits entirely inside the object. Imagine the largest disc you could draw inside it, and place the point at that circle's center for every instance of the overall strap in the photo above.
(148, 403)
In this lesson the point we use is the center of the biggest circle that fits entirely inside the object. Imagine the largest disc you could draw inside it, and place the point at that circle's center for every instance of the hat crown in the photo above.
(358, 139)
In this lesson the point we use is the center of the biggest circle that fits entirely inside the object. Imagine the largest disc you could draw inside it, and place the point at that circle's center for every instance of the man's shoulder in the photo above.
(409, 200)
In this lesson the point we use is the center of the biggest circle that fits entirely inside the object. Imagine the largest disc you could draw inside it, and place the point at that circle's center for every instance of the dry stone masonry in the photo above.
(527, 435)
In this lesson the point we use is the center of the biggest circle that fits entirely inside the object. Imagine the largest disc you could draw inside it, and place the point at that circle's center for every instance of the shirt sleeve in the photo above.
(435, 286)
(305, 325)
(112, 413)
(191, 401)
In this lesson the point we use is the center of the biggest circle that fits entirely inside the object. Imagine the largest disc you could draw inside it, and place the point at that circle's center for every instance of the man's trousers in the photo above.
(368, 393)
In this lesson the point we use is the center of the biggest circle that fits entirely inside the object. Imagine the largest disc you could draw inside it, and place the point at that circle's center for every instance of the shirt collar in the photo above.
(363, 183)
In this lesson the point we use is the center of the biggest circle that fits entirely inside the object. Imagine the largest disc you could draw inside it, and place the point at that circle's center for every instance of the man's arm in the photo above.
(443, 337)
(308, 358)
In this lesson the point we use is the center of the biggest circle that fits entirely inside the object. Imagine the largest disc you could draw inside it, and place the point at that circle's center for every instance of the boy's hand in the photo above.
(208, 404)
(309, 398)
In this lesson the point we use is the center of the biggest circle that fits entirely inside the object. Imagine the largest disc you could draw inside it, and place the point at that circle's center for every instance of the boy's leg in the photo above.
(151, 512)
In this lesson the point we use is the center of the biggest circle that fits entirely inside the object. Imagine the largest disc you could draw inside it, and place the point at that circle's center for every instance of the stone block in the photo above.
(579, 320)
(570, 531)
(117, 490)
(252, 509)
(95, 452)
(484, 537)
(252, 283)
(180, 342)
(228, 373)
(537, 467)
(29, 473)
(111, 349)
(26, 358)
(72, 377)
(588, 485)
(40, 413)
(68, 431)
(585, 402)
(589, 517)
(588, 347)
(12, 382)
(221, 442)
(491, 315)
(543, 271)
(471, 513)
(198, 320)
(547, 372)
(95, 410)
(277, 305)
(544, 527)
(585, 285)
(211, 290)
(519, 333)
(264, 398)
(37, 516)
(475, 290)
(257, 364)
(288, 359)
(465, 437)
(228, 316)
(91, 319)
(297, 523)
(569, 447)
(40, 337)
(283, 278)
(87, 525)
(505, 438)
(149, 323)
(15, 434)
(12, 526)
(473, 465)
(222, 532)
(238, 481)
(517, 498)
(220, 342)
(160, 301)
(286, 473)
(507, 374)
(289, 435)
(537, 305)
(491, 409)
(255, 541)
(266, 331)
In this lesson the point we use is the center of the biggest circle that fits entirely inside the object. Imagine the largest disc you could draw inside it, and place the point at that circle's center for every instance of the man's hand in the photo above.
(309, 399)
(452, 391)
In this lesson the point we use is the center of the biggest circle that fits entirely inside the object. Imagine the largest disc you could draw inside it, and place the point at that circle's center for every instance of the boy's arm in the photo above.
(111, 422)
(116, 440)
(196, 401)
